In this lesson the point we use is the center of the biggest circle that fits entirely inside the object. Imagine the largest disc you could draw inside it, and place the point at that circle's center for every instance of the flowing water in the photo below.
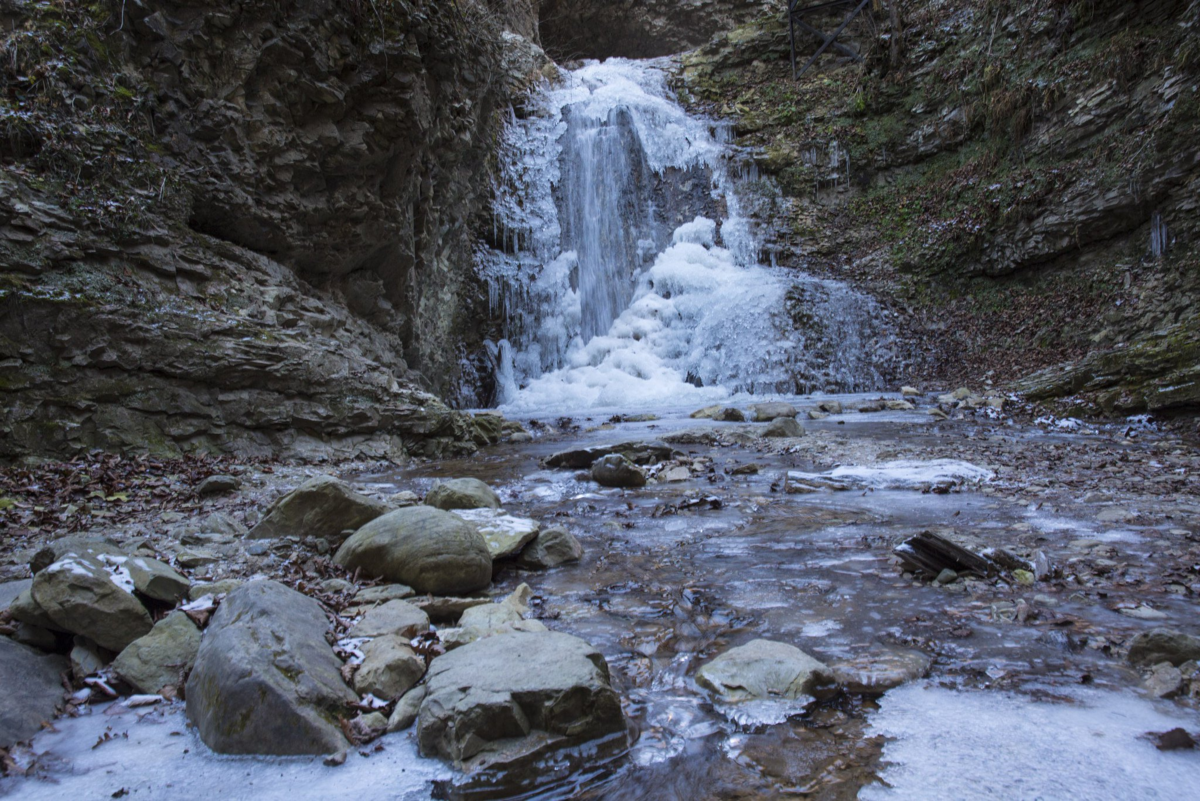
(628, 273)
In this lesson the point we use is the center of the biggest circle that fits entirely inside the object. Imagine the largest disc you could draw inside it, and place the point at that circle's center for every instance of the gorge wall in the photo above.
(246, 226)
(1018, 181)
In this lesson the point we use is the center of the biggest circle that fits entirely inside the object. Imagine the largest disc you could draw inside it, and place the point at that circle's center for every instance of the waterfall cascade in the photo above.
(618, 286)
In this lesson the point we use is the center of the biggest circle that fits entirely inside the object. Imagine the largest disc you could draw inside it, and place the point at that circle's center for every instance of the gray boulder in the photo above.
(500, 698)
(79, 545)
(163, 657)
(265, 679)
(462, 493)
(615, 470)
(33, 690)
(11, 590)
(393, 617)
(429, 550)
(762, 669)
(730, 415)
(320, 507)
(488, 620)
(217, 485)
(783, 427)
(157, 580)
(407, 709)
(553, 546)
(26, 610)
(766, 412)
(880, 669)
(1164, 645)
(84, 596)
(389, 669)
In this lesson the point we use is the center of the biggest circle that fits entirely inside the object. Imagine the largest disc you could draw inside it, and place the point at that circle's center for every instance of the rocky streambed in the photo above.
(857, 596)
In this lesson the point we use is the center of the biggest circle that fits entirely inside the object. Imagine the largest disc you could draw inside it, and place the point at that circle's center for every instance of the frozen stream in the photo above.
(1012, 707)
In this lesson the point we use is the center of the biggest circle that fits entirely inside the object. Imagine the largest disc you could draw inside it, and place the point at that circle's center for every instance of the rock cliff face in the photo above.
(638, 28)
(246, 226)
(1020, 181)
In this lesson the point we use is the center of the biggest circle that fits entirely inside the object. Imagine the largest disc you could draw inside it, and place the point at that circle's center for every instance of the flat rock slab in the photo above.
(157, 580)
(516, 687)
(265, 679)
(320, 507)
(762, 669)
(32, 692)
(430, 550)
(447, 610)
(462, 493)
(880, 669)
(766, 412)
(504, 534)
(553, 546)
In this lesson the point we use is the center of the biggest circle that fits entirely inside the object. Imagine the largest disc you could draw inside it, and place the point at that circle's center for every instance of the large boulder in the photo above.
(553, 546)
(320, 507)
(636, 452)
(501, 697)
(265, 679)
(766, 412)
(762, 669)
(1164, 645)
(615, 470)
(429, 550)
(462, 493)
(783, 427)
(79, 545)
(33, 690)
(163, 657)
(85, 596)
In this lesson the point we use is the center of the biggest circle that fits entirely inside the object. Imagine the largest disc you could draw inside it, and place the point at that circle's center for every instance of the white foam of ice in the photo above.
(946, 744)
(899, 474)
(163, 758)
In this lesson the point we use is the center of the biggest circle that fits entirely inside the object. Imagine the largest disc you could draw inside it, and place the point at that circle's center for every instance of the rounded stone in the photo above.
(430, 550)
(462, 493)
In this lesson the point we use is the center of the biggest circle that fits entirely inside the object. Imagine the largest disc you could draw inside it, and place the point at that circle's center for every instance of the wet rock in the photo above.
(407, 708)
(320, 507)
(394, 617)
(265, 680)
(762, 669)
(729, 415)
(163, 658)
(829, 406)
(898, 406)
(707, 413)
(880, 669)
(503, 697)
(766, 412)
(462, 493)
(615, 470)
(552, 547)
(404, 498)
(33, 691)
(217, 485)
(81, 595)
(504, 534)
(156, 580)
(947, 576)
(675, 474)
(390, 667)
(1163, 645)
(909, 392)
(748, 469)
(813, 414)
(783, 427)
(429, 550)
(1165, 681)
(636, 452)
(1174, 740)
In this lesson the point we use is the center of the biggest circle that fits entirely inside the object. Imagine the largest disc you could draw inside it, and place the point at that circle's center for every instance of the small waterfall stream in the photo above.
(627, 274)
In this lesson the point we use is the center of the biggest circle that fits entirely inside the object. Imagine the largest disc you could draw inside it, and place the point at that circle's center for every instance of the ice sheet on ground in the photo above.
(948, 744)
(901, 474)
(163, 758)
